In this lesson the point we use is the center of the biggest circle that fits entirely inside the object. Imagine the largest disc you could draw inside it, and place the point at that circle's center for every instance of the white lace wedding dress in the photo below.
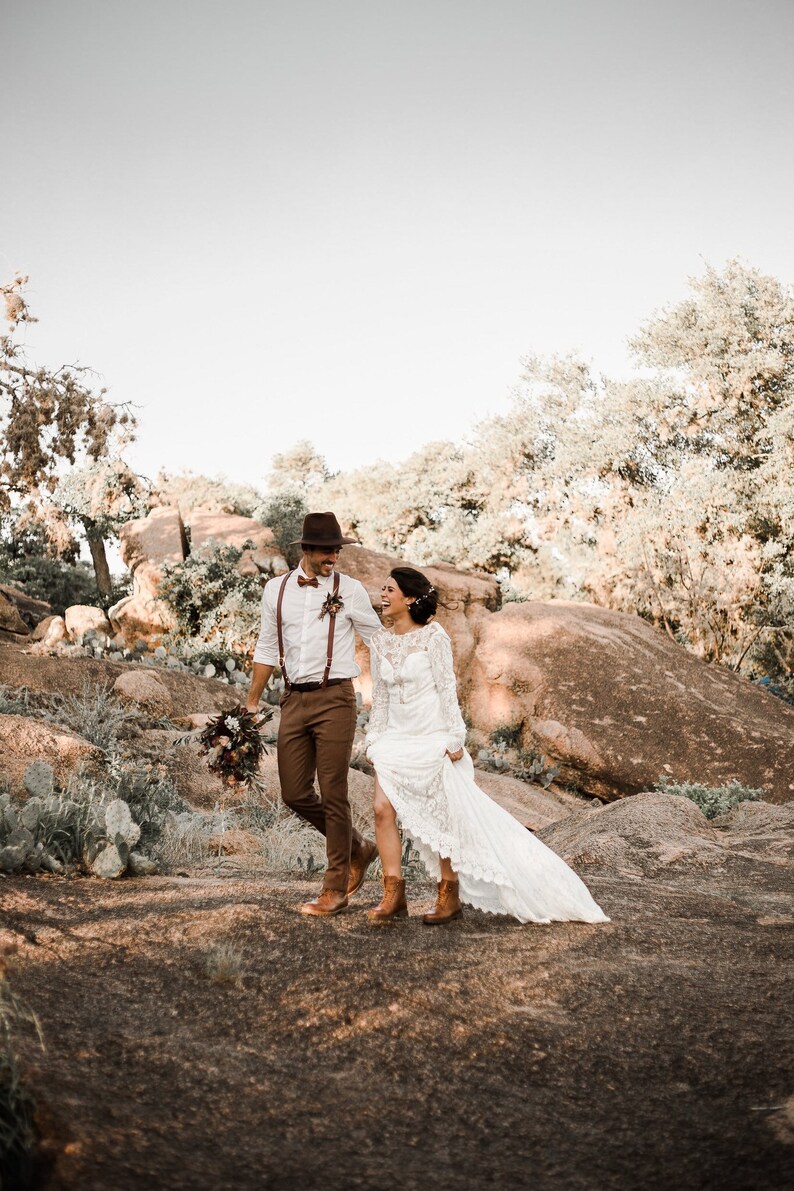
(415, 718)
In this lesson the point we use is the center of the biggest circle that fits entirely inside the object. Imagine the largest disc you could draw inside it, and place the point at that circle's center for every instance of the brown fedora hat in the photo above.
(322, 529)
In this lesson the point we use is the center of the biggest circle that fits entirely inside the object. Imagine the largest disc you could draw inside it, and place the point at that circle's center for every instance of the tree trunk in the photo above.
(96, 545)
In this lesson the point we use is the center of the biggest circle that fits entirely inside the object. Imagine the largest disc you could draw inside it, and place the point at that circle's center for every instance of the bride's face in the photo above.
(392, 600)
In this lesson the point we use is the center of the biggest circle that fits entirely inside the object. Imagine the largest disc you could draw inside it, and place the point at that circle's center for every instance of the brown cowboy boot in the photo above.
(393, 904)
(448, 904)
(361, 857)
(330, 902)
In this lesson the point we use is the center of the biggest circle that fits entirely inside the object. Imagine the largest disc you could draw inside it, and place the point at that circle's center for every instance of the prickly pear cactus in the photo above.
(119, 821)
(108, 863)
(39, 779)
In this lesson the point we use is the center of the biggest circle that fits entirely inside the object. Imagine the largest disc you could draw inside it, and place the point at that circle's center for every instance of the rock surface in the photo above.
(158, 538)
(24, 740)
(49, 632)
(31, 611)
(10, 619)
(651, 835)
(142, 616)
(616, 704)
(67, 676)
(85, 618)
(146, 691)
(229, 529)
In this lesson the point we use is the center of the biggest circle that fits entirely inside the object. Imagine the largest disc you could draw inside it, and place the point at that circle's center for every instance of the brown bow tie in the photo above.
(307, 582)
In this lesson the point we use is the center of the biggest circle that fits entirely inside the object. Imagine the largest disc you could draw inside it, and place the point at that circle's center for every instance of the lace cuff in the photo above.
(439, 651)
(379, 715)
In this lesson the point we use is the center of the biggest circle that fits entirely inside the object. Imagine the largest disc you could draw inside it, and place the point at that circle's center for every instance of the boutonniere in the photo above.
(332, 605)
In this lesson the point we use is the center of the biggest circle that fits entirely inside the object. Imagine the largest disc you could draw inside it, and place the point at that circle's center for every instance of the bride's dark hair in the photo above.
(414, 584)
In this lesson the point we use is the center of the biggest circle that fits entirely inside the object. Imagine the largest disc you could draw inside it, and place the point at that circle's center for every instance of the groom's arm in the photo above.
(364, 617)
(266, 652)
(259, 680)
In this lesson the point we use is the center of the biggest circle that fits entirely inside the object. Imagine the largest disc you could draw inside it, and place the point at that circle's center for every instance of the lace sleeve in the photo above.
(379, 714)
(439, 651)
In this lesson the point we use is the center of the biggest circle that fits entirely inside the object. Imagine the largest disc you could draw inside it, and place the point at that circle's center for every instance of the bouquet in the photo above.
(233, 744)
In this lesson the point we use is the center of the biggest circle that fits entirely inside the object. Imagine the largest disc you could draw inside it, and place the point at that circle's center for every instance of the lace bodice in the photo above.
(394, 679)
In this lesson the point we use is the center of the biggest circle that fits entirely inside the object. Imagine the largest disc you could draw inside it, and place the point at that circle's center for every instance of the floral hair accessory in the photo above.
(333, 603)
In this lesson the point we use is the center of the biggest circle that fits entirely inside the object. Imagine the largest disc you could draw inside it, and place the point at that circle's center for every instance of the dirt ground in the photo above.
(653, 1052)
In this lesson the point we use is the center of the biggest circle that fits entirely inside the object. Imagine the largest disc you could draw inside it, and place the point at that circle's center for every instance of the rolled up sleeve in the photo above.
(266, 652)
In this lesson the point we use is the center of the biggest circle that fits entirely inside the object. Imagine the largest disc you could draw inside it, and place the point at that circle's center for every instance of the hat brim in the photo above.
(327, 542)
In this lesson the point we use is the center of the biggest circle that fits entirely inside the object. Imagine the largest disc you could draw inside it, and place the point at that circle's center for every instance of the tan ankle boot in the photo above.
(393, 904)
(448, 905)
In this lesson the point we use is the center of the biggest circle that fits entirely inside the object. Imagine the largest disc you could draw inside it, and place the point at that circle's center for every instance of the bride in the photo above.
(424, 780)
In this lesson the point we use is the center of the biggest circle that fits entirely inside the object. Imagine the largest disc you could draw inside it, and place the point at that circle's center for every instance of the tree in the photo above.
(49, 420)
(101, 498)
(301, 469)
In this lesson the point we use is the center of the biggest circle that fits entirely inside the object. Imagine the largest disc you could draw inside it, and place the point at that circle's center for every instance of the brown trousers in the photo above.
(316, 736)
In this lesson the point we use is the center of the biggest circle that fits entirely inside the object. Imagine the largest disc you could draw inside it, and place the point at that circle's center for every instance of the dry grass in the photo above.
(224, 963)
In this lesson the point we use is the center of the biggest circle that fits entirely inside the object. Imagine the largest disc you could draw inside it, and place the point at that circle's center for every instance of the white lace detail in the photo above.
(379, 713)
(395, 648)
(425, 816)
(439, 651)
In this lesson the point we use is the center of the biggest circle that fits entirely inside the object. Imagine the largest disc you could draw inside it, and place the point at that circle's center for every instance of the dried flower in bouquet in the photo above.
(233, 745)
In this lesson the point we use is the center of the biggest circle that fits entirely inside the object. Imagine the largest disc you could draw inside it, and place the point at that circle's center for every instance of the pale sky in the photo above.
(348, 220)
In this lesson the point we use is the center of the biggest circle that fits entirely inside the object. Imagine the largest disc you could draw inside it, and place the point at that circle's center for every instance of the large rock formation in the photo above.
(229, 529)
(142, 616)
(19, 613)
(616, 704)
(651, 834)
(146, 544)
(24, 740)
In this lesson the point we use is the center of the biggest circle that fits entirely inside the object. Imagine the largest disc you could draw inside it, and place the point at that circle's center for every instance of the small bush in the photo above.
(214, 605)
(507, 736)
(94, 714)
(224, 963)
(712, 800)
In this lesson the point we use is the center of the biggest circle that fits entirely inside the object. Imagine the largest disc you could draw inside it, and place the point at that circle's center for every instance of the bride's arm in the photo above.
(439, 651)
(379, 715)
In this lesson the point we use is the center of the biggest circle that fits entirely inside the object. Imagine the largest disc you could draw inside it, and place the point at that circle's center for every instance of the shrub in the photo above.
(224, 963)
(214, 604)
(94, 714)
(284, 514)
(507, 736)
(712, 800)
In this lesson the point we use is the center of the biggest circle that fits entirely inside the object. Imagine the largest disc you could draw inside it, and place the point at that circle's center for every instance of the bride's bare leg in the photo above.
(387, 835)
(447, 871)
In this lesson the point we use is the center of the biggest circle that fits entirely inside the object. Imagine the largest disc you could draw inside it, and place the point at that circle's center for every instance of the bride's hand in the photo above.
(456, 756)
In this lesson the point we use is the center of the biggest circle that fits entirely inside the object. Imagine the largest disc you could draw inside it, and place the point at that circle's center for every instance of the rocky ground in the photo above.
(652, 1052)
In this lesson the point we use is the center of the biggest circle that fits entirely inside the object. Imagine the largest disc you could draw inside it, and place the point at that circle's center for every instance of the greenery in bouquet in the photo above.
(233, 745)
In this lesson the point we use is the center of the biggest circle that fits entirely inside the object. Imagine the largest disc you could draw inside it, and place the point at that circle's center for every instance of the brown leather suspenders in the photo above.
(278, 630)
(331, 629)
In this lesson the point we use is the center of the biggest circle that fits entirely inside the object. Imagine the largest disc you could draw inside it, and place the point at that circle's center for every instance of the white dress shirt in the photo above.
(305, 635)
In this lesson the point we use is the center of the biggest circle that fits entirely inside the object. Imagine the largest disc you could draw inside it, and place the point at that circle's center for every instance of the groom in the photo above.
(309, 619)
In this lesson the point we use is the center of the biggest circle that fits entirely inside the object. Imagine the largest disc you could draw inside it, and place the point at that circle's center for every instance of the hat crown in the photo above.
(322, 529)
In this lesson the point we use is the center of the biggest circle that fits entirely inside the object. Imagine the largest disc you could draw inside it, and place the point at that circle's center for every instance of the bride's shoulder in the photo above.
(433, 631)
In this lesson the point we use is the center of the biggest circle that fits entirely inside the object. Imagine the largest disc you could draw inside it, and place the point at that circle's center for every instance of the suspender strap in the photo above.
(329, 657)
(279, 630)
(331, 627)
